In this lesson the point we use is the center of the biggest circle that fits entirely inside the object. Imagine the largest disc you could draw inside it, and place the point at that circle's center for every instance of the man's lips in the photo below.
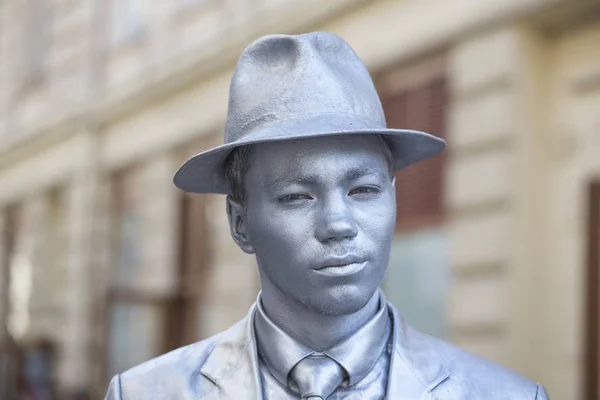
(341, 261)
(340, 266)
(342, 270)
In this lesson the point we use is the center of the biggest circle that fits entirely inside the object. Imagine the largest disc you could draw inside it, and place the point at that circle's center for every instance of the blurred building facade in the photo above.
(104, 264)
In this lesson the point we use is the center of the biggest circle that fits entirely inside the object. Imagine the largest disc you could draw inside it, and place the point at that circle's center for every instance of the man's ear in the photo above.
(236, 214)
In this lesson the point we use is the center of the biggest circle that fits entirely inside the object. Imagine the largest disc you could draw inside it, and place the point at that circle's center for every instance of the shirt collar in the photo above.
(357, 354)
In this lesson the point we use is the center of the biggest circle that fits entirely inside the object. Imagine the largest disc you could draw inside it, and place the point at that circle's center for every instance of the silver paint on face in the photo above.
(319, 217)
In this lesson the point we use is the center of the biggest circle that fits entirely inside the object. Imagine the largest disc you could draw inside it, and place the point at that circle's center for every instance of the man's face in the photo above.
(320, 216)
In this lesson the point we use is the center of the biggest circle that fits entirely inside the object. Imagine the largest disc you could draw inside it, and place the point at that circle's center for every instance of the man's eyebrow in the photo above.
(306, 180)
(360, 171)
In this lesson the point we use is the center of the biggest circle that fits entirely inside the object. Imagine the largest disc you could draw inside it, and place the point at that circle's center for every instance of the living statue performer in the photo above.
(307, 167)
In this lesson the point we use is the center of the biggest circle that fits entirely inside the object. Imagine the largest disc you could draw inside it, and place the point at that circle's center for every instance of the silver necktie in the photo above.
(316, 377)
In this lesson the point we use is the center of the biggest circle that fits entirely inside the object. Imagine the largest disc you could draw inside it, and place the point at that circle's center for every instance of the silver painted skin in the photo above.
(312, 204)
(319, 218)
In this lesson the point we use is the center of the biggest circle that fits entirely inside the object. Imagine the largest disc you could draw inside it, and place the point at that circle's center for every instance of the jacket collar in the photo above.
(232, 366)
(357, 354)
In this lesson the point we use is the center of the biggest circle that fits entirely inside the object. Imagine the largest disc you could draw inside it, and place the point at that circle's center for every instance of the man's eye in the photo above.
(294, 197)
(364, 190)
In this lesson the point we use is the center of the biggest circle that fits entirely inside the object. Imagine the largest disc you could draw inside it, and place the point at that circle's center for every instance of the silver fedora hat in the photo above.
(288, 87)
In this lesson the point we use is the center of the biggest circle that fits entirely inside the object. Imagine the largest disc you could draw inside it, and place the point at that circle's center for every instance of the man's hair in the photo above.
(237, 165)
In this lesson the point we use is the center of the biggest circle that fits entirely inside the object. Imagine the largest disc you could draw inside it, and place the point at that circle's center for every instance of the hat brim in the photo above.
(205, 173)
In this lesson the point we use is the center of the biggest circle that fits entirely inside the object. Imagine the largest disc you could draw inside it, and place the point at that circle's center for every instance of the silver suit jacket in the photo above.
(225, 366)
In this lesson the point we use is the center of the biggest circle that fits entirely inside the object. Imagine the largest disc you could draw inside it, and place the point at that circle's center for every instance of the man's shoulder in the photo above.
(182, 359)
(478, 376)
(177, 371)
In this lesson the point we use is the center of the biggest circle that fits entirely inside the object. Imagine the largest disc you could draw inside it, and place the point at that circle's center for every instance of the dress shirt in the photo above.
(365, 357)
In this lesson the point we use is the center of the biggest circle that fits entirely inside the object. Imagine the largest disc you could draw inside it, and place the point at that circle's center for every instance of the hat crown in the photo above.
(280, 78)
(303, 86)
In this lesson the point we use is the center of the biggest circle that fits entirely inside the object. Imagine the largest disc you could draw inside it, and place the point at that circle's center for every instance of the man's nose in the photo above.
(336, 223)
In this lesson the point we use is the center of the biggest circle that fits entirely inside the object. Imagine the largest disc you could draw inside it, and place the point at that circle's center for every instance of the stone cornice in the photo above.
(168, 78)
(350, 18)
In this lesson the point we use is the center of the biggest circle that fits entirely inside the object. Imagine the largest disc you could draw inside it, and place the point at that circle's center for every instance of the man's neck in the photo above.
(316, 331)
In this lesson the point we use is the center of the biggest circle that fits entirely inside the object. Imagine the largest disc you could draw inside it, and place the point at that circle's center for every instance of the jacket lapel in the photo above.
(232, 366)
(415, 368)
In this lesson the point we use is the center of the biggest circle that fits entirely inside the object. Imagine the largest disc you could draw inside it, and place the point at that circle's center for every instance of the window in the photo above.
(418, 273)
(136, 320)
(135, 333)
(417, 278)
(20, 277)
(194, 259)
(143, 324)
(420, 187)
(591, 351)
(128, 232)
(9, 355)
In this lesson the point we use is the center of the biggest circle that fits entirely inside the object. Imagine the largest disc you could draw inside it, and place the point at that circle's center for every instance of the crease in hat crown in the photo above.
(299, 86)
(303, 75)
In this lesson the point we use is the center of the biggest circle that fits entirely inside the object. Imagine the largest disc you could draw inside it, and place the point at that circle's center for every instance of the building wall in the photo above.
(129, 86)
(493, 183)
(574, 166)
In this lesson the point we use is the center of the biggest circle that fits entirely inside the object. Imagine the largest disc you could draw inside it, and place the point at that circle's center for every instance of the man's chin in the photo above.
(339, 304)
